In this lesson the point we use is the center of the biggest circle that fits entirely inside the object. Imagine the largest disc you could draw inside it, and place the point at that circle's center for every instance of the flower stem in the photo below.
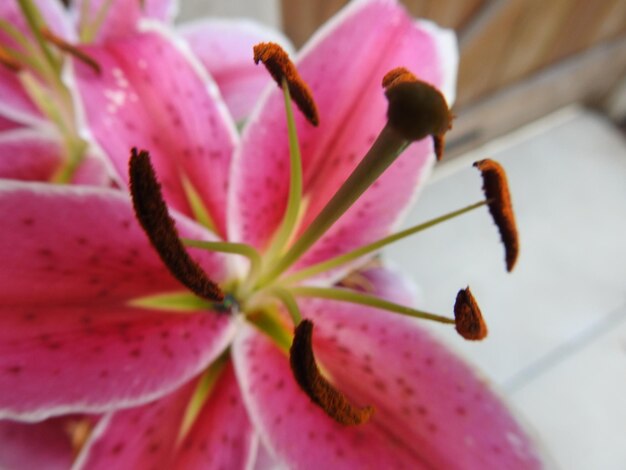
(388, 145)
(364, 250)
(345, 295)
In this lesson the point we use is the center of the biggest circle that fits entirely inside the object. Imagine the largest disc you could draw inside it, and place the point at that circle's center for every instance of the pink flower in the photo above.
(93, 322)
(38, 145)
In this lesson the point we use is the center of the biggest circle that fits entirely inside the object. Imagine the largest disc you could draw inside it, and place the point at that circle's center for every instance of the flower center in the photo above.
(416, 110)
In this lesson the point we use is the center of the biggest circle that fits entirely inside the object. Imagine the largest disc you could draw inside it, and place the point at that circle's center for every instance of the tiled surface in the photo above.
(557, 343)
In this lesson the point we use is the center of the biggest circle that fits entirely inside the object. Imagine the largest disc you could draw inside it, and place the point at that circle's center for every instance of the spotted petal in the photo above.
(150, 96)
(432, 411)
(222, 436)
(64, 292)
(140, 437)
(346, 84)
(225, 49)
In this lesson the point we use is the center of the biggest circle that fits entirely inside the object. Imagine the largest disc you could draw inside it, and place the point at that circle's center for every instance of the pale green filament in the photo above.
(345, 295)
(90, 29)
(270, 325)
(383, 153)
(199, 210)
(294, 202)
(35, 23)
(364, 250)
(288, 301)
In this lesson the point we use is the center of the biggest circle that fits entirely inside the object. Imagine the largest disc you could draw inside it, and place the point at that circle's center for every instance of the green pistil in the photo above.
(380, 156)
(364, 250)
(35, 23)
(294, 202)
(344, 295)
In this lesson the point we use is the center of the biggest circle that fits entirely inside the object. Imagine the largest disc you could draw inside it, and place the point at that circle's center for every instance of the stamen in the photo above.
(469, 319)
(151, 211)
(416, 109)
(279, 65)
(310, 379)
(65, 46)
(398, 75)
(8, 61)
(496, 189)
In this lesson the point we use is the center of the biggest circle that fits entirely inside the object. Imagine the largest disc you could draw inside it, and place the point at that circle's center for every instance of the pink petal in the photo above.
(94, 358)
(431, 410)
(138, 438)
(8, 125)
(64, 288)
(69, 244)
(43, 445)
(30, 155)
(225, 49)
(222, 436)
(15, 104)
(344, 65)
(124, 16)
(151, 97)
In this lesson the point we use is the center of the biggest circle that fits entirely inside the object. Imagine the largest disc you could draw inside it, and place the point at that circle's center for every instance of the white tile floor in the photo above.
(557, 343)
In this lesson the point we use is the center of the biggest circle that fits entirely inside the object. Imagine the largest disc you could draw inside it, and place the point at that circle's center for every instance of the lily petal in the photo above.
(225, 49)
(7, 124)
(346, 84)
(151, 97)
(222, 436)
(15, 104)
(123, 16)
(32, 155)
(47, 259)
(39, 445)
(64, 292)
(431, 410)
(140, 437)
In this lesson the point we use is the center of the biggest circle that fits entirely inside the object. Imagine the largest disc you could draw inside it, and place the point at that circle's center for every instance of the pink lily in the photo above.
(239, 80)
(70, 308)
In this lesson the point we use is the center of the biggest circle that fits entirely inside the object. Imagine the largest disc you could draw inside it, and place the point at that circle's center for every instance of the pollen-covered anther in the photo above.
(65, 46)
(469, 319)
(8, 61)
(416, 109)
(280, 66)
(398, 75)
(310, 379)
(151, 211)
(496, 189)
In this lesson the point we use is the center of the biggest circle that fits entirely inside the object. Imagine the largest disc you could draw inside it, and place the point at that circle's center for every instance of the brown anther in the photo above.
(8, 61)
(310, 379)
(496, 191)
(398, 75)
(279, 65)
(151, 211)
(416, 109)
(65, 46)
(469, 320)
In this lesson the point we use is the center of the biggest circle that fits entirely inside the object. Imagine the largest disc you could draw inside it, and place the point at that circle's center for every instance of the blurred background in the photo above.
(542, 89)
